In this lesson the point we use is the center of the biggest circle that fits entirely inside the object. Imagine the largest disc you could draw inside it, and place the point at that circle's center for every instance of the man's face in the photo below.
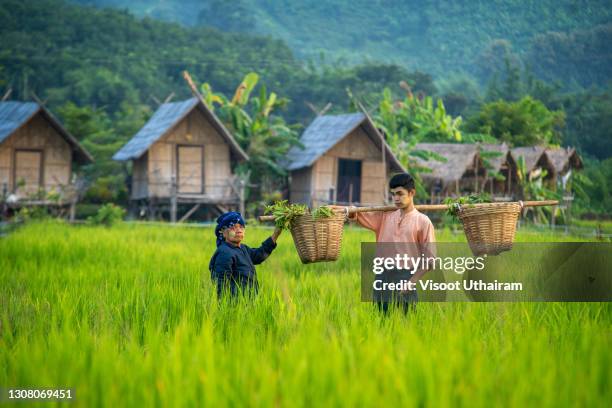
(234, 234)
(402, 198)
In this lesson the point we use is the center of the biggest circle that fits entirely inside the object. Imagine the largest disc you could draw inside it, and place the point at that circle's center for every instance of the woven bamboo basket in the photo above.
(490, 228)
(318, 240)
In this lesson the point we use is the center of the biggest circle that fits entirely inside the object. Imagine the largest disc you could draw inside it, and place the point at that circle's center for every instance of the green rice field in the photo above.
(126, 316)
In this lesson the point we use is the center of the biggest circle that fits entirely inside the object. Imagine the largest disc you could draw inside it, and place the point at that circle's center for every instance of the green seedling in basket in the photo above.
(284, 212)
(453, 204)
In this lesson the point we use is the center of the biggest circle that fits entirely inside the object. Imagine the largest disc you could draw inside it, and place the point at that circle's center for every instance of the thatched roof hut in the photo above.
(459, 158)
(468, 169)
(462, 170)
(535, 157)
(499, 161)
(503, 164)
(564, 159)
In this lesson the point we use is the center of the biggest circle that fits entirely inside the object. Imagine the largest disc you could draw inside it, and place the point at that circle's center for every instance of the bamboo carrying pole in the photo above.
(425, 207)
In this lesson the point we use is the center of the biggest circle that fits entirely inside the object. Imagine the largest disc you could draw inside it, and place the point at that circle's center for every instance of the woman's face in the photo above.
(234, 234)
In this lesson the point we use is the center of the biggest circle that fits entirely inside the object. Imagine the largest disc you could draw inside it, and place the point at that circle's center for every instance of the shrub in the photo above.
(108, 215)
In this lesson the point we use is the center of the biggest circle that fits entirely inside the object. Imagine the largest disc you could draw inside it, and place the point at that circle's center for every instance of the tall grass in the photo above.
(128, 316)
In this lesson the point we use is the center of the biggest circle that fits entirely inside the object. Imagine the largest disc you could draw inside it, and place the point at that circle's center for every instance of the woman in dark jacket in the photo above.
(232, 266)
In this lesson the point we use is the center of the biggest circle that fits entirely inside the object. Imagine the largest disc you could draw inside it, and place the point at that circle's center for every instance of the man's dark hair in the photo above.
(402, 180)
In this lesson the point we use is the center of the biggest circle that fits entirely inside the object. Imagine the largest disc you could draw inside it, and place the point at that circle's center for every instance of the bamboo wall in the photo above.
(300, 185)
(54, 167)
(139, 177)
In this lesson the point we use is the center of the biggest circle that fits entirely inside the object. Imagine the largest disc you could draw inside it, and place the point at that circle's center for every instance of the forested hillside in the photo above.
(104, 71)
(105, 58)
(565, 40)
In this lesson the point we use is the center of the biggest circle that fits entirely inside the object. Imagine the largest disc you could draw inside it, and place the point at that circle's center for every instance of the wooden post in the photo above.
(169, 97)
(72, 215)
(384, 170)
(173, 200)
(152, 203)
(4, 201)
(476, 174)
(598, 233)
(189, 213)
(569, 209)
(241, 186)
(316, 111)
(510, 188)
(7, 94)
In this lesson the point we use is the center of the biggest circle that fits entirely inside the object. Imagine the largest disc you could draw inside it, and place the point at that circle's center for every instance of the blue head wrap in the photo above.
(229, 219)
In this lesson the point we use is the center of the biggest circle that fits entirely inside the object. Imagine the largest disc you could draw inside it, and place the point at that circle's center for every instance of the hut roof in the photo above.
(499, 160)
(327, 131)
(163, 120)
(15, 114)
(563, 158)
(459, 158)
(531, 154)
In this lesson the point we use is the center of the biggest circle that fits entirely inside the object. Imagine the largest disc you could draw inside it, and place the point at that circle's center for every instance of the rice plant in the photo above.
(127, 316)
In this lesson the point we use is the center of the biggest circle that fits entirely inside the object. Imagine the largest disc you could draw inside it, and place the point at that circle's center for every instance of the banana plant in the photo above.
(533, 188)
(420, 117)
(485, 156)
(265, 137)
(413, 120)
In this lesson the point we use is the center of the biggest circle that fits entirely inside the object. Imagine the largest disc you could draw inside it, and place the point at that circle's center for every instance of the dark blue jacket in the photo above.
(234, 267)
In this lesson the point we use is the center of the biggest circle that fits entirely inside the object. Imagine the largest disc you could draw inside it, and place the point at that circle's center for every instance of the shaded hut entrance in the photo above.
(190, 169)
(349, 181)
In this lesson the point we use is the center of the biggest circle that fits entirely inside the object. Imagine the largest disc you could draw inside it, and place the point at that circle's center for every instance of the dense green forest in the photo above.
(104, 58)
(564, 40)
(104, 71)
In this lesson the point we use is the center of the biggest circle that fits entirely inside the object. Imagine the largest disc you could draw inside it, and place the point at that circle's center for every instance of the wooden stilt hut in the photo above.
(37, 156)
(183, 155)
(502, 178)
(565, 161)
(345, 160)
(462, 170)
(536, 160)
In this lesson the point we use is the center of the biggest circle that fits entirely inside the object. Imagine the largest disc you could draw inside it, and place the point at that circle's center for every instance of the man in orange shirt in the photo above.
(406, 225)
